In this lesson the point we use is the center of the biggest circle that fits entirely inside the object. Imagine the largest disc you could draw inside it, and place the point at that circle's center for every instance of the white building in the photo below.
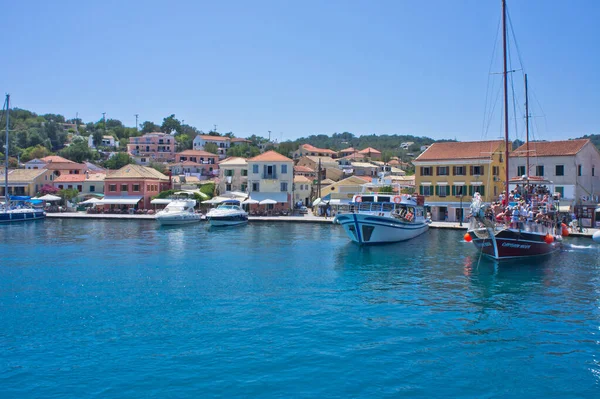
(223, 143)
(271, 176)
(571, 165)
(107, 141)
(302, 190)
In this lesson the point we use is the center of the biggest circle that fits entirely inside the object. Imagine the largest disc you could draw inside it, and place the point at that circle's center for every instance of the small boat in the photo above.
(16, 208)
(228, 213)
(377, 218)
(178, 212)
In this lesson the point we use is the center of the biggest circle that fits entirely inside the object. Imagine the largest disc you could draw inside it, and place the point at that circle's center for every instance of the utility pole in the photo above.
(104, 117)
(215, 130)
(269, 136)
(137, 127)
(318, 179)
(76, 124)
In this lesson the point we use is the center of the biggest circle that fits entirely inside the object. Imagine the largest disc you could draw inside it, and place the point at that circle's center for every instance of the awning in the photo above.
(278, 196)
(338, 201)
(161, 201)
(90, 201)
(122, 200)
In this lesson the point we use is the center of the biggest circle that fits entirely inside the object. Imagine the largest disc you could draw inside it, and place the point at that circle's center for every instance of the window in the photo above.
(283, 169)
(560, 170)
(124, 187)
(61, 186)
(269, 172)
(254, 168)
(80, 188)
(244, 172)
(539, 170)
(228, 172)
(135, 188)
(284, 186)
(459, 171)
(593, 171)
(143, 160)
(92, 189)
(442, 171)
(426, 171)
(496, 170)
(255, 187)
(458, 191)
(579, 171)
(112, 187)
(476, 170)
(426, 190)
(228, 187)
(441, 191)
(244, 187)
(520, 170)
(560, 190)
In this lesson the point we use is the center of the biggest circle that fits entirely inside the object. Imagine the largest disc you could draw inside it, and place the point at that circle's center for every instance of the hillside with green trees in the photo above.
(594, 138)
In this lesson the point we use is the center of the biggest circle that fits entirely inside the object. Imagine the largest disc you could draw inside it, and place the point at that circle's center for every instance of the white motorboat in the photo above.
(228, 213)
(377, 218)
(178, 212)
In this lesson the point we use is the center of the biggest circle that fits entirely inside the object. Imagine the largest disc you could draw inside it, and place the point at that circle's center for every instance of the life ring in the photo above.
(358, 199)
(409, 216)
(397, 199)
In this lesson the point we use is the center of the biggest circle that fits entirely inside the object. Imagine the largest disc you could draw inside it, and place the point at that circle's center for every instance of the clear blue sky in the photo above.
(300, 67)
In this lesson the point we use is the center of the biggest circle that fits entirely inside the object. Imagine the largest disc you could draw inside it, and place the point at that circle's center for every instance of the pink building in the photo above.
(152, 147)
(133, 185)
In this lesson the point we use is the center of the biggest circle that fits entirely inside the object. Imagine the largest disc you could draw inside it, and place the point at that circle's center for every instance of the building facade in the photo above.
(233, 175)
(152, 147)
(134, 183)
(302, 190)
(271, 176)
(449, 174)
(222, 142)
(309, 150)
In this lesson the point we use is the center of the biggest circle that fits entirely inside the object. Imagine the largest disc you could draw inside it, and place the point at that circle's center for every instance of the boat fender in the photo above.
(358, 199)
(549, 239)
(397, 199)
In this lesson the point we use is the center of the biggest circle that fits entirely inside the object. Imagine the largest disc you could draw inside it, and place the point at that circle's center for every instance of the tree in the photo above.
(48, 189)
(68, 193)
(158, 166)
(211, 147)
(38, 151)
(97, 138)
(171, 124)
(118, 160)
(78, 152)
(149, 127)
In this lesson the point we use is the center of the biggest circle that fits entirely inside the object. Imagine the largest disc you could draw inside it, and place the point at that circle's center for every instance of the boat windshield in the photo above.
(228, 206)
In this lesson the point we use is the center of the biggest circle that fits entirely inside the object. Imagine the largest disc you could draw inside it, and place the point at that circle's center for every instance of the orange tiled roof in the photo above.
(302, 179)
(303, 169)
(64, 165)
(239, 140)
(208, 137)
(394, 162)
(198, 153)
(55, 158)
(350, 150)
(460, 150)
(270, 156)
(365, 178)
(309, 147)
(65, 178)
(550, 148)
(356, 155)
(369, 150)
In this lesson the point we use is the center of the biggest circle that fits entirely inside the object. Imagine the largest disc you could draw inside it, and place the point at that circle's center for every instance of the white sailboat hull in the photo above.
(372, 229)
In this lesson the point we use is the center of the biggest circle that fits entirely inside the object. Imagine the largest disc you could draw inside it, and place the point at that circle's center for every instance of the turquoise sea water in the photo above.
(114, 309)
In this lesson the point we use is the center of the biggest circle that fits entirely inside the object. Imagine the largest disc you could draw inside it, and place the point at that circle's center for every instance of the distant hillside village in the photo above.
(133, 167)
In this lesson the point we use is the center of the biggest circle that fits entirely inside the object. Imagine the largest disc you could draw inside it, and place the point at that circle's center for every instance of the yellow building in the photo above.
(449, 174)
(343, 190)
(26, 181)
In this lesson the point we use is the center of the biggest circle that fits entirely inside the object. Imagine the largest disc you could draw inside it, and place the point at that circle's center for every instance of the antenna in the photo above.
(104, 117)
(269, 136)
(136, 122)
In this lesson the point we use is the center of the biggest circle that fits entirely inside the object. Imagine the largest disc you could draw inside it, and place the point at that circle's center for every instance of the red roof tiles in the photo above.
(550, 148)
(460, 150)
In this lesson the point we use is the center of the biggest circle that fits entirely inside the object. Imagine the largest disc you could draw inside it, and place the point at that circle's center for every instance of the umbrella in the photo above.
(251, 201)
(268, 202)
(89, 201)
(317, 202)
(213, 201)
(50, 197)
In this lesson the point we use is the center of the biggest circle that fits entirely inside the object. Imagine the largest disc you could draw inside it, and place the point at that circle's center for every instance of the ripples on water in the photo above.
(129, 309)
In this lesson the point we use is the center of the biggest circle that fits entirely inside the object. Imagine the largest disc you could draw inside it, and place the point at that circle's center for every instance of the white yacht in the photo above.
(228, 213)
(377, 218)
(178, 212)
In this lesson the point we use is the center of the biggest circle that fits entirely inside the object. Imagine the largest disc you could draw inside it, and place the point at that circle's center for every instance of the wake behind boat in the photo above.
(178, 212)
(376, 218)
(228, 213)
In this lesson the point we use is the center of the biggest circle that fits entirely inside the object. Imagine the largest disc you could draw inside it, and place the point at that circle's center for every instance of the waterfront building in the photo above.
(107, 141)
(233, 175)
(449, 174)
(302, 190)
(329, 167)
(86, 184)
(201, 164)
(133, 185)
(346, 152)
(152, 147)
(26, 181)
(341, 192)
(270, 176)
(58, 165)
(309, 150)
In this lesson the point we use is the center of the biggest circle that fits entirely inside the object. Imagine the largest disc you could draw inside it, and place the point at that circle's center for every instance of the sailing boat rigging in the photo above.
(492, 233)
(15, 208)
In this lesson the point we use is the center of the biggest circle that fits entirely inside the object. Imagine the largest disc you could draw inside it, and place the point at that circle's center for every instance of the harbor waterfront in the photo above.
(287, 310)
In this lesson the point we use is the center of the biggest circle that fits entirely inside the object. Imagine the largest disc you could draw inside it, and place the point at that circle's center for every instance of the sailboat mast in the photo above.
(6, 197)
(504, 44)
(527, 126)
